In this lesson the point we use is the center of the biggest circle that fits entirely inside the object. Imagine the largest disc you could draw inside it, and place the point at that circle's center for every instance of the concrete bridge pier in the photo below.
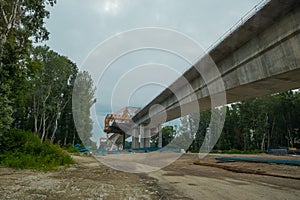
(145, 137)
(135, 138)
(142, 133)
(159, 136)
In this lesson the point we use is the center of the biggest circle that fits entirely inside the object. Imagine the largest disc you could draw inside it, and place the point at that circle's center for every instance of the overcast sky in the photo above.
(77, 27)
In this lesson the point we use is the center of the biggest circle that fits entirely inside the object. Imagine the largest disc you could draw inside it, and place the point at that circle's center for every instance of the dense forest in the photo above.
(36, 83)
(255, 124)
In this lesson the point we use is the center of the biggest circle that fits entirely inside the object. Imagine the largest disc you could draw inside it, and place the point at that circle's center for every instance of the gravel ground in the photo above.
(89, 179)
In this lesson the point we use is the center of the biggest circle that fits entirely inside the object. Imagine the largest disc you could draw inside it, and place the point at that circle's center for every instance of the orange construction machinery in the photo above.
(113, 121)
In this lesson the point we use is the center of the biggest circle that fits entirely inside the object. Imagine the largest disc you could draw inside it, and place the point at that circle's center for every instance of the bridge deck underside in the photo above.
(265, 60)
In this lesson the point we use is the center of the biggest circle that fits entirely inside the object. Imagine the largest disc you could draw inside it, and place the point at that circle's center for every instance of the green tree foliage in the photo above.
(6, 109)
(46, 108)
(21, 21)
(254, 124)
(187, 132)
(83, 99)
(168, 134)
(52, 89)
(36, 86)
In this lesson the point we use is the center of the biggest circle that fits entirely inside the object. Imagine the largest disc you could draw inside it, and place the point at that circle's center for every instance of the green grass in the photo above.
(236, 151)
(72, 149)
(24, 150)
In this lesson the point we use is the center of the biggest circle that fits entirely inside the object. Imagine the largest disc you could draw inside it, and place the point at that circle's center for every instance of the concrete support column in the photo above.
(142, 133)
(123, 140)
(135, 138)
(147, 137)
(159, 136)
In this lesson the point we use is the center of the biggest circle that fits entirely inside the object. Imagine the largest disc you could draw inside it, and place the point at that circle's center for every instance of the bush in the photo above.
(20, 149)
(71, 149)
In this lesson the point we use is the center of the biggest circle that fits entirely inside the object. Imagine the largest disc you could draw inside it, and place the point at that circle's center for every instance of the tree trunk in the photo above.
(44, 127)
(47, 129)
(65, 140)
(9, 21)
(289, 138)
(35, 125)
(40, 126)
(73, 142)
(262, 147)
(35, 115)
(271, 132)
(67, 132)
(44, 114)
(54, 131)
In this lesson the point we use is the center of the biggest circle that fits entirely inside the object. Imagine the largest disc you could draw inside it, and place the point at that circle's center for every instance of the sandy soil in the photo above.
(202, 182)
(89, 179)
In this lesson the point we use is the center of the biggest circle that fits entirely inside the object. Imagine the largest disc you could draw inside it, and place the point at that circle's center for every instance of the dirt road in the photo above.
(202, 182)
(89, 179)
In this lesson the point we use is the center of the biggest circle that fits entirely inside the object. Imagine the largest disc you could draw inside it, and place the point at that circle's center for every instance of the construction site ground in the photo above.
(90, 179)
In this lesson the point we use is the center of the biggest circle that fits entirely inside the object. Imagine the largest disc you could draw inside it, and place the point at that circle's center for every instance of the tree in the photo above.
(253, 124)
(67, 130)
(6, 109)
(82, 101)
(227, 139)
(168, 134)
(198, 127)
(290, 116)
(52, 90)
(20, 21)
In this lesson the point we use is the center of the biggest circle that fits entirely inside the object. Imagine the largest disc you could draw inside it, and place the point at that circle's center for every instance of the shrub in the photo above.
(71, 149)
(20, 149)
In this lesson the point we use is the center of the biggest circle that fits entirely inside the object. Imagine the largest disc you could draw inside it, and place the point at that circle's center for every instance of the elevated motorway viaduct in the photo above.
(260, 57)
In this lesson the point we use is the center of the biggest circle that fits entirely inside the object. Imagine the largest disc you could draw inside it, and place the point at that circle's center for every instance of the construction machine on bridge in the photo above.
(118, 123)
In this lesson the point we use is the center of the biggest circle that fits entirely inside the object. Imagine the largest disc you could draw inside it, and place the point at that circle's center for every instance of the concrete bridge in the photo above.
(260, 57)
